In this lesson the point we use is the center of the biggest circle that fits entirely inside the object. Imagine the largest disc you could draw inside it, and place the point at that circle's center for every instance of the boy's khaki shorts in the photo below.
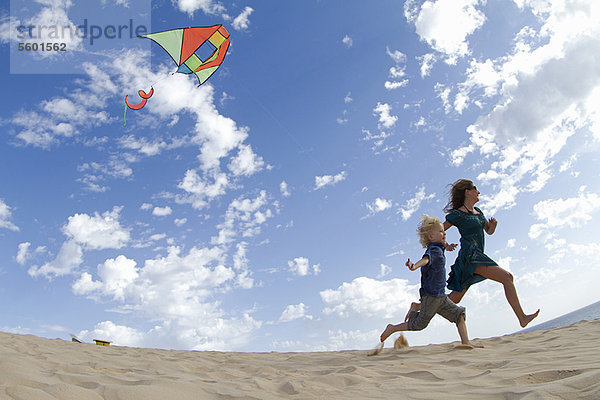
(418, 320)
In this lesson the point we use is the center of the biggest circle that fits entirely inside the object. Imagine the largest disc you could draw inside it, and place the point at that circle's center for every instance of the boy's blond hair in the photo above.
(424, 228)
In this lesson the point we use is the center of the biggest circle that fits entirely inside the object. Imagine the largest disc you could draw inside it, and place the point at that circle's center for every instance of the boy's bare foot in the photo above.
(469, 345)
(387, 332)
(528, 318)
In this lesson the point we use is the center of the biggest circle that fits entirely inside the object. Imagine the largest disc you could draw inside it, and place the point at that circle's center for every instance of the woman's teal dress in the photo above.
(470, 255)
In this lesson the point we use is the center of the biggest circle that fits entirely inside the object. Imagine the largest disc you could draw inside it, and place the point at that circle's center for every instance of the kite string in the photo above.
(283, 127)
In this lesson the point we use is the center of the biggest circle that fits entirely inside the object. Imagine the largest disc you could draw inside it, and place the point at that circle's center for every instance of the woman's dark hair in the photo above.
(456, 194)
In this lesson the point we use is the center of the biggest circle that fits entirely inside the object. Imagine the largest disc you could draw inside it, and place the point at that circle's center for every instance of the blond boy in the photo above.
(433, 282)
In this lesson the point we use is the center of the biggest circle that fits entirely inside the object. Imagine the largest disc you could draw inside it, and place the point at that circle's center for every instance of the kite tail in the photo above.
(125, 115)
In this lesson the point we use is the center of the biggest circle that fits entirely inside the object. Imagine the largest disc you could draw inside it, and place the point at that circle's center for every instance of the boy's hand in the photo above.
(451, 247)
(410, 265)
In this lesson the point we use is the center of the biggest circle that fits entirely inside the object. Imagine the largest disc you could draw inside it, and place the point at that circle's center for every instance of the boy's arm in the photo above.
(450, 247)
(418, 264)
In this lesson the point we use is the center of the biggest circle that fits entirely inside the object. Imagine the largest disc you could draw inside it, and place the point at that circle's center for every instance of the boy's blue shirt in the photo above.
(433, 274)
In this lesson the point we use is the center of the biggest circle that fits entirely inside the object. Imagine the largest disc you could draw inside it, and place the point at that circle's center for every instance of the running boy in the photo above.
(433, 282)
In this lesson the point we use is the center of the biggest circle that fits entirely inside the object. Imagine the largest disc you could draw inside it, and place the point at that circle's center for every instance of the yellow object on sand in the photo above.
(102, 342)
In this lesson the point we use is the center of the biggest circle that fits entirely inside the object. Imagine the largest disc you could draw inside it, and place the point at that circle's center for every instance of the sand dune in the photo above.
(561, 363)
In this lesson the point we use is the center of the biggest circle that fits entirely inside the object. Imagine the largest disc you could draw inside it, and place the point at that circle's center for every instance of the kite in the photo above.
(199, 50)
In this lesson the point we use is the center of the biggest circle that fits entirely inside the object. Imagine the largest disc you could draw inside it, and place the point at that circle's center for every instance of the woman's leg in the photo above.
(456, 297)
(498, 274)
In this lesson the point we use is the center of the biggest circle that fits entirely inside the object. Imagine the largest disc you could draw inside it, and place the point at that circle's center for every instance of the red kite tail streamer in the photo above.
(145, 96)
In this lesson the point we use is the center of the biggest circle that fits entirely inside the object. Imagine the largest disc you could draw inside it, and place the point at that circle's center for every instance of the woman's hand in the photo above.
(490, 227)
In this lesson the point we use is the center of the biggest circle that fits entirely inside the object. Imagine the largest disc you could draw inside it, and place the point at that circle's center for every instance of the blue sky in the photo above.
(273, 207)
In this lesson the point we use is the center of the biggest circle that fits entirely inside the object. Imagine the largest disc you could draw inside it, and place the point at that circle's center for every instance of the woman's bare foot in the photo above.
(387, 332)
(528, 318)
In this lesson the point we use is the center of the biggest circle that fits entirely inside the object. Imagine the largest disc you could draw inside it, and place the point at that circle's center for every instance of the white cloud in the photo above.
(116, 276)
(177, 291)
(162, 211)
(206, 6)
(443, 92)
(242, 21)
(246, 162)
(23, 253)
(301, 266)
(5, 216)
(365, 297)
(384, 270)
(68, 259)
(146, 146)
(445, 24)
(572, 212)
(392, 85)
(8, 24)
(98, 231)
(95, 173)
(348, 99)
(157, 236)
(220, 141)
(284, 189)
(329, 180)
(84, 232)
(52, 13)
(386, 120)
(584, 252)
(347, 41)
(397, 71)
(545, 91)
(240, 264)
(541, 277)
(244, 217)
(118, 335)
(200, 191)
(293, 312)
(540, 101)
(399, 58)
(427, 62)
(346, 339)
(414, 203)
(378, 205)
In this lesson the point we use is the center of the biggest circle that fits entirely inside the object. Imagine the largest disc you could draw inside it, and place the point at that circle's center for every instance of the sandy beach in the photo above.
(560, 363)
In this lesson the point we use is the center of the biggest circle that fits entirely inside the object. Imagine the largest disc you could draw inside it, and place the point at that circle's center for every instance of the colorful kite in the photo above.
(198, 50)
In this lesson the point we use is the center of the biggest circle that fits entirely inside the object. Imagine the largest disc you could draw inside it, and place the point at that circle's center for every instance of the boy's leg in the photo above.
(413, 307)
(462, 332)
(416, 320)
(456, 314)
(390, 329)
(427, 309)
